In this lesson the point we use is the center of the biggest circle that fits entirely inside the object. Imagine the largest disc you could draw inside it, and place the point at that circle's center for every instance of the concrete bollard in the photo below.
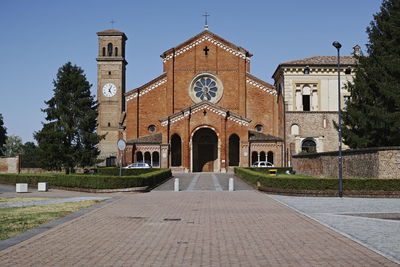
(176, 185)
(231, 185)
(43, 187)
(21, 188)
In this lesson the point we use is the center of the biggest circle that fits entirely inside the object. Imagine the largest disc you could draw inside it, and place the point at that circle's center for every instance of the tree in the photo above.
(3, 135)
(13, 146)
(68, 139)
(29, 155)
(371, 118)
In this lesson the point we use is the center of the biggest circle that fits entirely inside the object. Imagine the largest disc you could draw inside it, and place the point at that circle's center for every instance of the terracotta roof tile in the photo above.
(150, 139)
(322, 60)
(257, 136)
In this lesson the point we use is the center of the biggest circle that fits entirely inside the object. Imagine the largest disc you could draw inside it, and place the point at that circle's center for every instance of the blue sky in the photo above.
(37, 37)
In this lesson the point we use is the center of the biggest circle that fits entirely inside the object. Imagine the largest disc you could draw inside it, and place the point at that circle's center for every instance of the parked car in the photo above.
(262, 164)
(138, 165)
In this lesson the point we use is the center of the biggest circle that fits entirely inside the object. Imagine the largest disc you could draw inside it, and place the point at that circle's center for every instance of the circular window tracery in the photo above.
(152, 128)
(205, 87)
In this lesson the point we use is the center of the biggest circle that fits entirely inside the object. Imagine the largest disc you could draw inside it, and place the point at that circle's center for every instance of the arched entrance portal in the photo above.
(205, 150)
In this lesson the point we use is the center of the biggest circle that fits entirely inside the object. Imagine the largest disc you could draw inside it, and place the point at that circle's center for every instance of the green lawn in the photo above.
(14, 221)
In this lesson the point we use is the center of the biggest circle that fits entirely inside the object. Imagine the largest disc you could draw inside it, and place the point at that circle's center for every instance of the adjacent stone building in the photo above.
(205, 112)
(310, 92)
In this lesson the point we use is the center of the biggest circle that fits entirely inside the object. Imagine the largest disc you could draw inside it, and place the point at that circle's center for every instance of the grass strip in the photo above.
(14, 221)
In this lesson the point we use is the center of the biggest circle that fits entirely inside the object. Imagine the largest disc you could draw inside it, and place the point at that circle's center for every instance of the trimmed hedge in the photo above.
(149, 179)
(280, 170)
(312, 183)
(114, 171)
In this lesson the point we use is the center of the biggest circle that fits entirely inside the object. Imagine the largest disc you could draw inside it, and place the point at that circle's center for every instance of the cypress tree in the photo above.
(372, 116)
(69, 139)
(3, 135)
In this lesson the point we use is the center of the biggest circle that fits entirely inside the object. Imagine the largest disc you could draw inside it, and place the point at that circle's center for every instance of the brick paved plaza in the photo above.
(198, 227)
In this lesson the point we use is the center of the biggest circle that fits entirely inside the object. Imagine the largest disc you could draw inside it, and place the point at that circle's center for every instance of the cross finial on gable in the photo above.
(112, 23)
(206, 24)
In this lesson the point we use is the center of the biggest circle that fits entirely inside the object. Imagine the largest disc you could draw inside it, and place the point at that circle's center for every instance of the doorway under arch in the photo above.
(234, 147)
(205, 150)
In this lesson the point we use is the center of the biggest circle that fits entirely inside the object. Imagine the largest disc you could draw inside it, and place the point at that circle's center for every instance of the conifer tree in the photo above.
(3, 135)
(69, 139)
(372, 116)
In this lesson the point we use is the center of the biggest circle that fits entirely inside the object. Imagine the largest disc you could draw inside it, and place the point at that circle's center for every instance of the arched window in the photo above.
(116, 52)
(254, 157)
(262, 156)
(156, 159)
(109, 49)
(308, 145)
(294, 130)
(147, 157)
(270, 157)
(104, 51)
(176, 150)
(139, 156)
(234, 149)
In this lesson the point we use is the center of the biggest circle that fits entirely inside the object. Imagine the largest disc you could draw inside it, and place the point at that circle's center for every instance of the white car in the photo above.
(138, 165)
(262, 164)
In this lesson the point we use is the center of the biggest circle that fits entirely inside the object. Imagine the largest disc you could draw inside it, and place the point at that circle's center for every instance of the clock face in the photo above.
(109, 90)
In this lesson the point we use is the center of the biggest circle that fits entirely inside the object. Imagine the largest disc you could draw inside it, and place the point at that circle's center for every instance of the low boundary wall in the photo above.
(9, 165)
(379, 162)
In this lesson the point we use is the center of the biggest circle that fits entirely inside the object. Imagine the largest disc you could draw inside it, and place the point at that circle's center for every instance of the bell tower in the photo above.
(111, 65)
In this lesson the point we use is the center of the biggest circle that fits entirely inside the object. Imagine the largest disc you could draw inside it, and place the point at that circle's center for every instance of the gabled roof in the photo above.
(321, 61)
(112, 32)
(204, 106)
(253, 80)
(257, 136)
(144, 89)
(150, 139)
(205, 36)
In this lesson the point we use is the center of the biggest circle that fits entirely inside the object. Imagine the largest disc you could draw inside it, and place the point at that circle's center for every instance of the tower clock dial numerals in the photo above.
(109, 90)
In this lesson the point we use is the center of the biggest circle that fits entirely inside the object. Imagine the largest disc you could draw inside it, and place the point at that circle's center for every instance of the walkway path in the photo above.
(197, 228)
(204, 181)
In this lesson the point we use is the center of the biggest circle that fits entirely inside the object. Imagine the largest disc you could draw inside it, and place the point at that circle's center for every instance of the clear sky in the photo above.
(37, 37)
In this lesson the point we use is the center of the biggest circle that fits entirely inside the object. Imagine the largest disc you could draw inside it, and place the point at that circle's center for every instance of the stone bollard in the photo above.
(230, 184)
(21, 188)
(42, 187)
(176, 185)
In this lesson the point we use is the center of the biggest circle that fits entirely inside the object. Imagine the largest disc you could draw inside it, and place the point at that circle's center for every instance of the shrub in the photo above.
(312, 183)
(91, 181)
(280, 170)
(114, 171)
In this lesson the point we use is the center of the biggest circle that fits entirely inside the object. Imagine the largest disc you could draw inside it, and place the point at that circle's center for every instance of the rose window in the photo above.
(206, 87)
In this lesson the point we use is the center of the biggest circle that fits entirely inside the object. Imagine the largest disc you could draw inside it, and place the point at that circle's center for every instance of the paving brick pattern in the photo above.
(242, 228)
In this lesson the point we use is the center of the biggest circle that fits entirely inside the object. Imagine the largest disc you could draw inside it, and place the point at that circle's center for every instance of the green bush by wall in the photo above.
(312, 183)
(91, 181)
(114, 171)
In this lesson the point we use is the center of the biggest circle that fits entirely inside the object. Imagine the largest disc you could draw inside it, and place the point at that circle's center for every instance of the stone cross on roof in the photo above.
(206, 24)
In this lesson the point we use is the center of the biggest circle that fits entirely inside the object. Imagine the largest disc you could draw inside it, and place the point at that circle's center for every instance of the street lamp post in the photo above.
(337, 45)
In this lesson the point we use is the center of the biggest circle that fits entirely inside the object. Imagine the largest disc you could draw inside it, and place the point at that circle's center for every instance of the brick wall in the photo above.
(9, 165)
(381, 162)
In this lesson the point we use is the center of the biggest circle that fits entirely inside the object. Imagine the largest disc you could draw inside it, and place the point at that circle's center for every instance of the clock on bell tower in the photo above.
(111, 65)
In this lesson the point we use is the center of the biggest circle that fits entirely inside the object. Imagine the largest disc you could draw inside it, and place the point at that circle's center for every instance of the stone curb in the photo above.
(42, 228)
(330, 193)
(90, 190)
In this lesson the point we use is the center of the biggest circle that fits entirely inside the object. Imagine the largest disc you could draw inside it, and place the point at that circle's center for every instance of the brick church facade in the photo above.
(205, 112)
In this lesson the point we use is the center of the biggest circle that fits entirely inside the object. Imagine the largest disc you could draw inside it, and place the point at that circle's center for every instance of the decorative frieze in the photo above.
(206, 37)
(260, 86)
(147, 89)
(204, 108)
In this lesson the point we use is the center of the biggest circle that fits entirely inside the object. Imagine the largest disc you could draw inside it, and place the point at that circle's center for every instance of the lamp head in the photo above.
(337, 44)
